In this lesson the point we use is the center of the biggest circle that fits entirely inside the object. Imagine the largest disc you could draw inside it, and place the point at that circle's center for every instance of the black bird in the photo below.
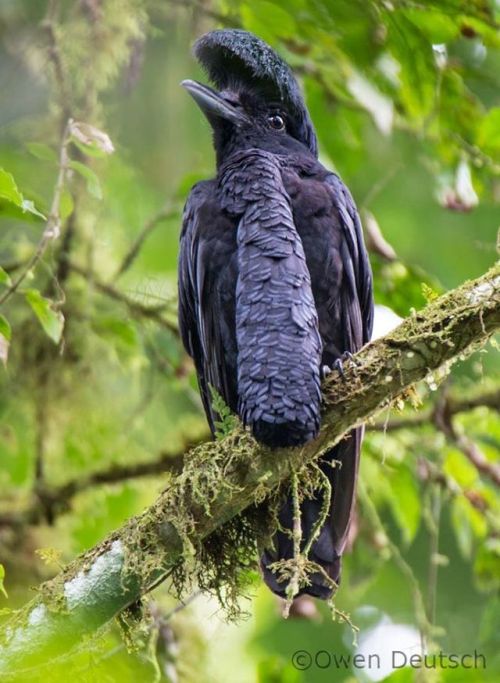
(274, 279)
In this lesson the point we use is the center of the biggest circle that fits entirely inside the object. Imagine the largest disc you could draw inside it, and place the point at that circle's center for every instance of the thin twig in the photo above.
(443, 420)
(58, 499)
(53, 224)
(48, 24)
(476, 456)
(425, 626)
(429, 472)
(135, 307)
(375, 240)
(488, 399)
(380, 185)
(65, 250)
(166, 212)
(182, 605)
(12, 266)
(41, 430)
(433, 520)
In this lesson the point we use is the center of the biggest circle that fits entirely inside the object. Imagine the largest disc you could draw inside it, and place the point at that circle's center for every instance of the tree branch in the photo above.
(454, 406)
(57, 499)
(135, 307)
(168, 211)
(443, 419)
(114, 574)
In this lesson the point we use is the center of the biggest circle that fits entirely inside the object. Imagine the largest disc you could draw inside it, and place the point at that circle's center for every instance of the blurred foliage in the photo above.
(404, 96)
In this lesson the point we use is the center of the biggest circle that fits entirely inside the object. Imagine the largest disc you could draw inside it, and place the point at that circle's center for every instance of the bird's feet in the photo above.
(339, 364)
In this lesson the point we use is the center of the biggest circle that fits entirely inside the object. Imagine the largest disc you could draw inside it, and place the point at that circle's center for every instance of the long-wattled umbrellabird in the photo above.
(274, 279)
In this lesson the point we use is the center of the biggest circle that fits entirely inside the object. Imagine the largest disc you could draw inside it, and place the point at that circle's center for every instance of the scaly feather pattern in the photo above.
(279, 347)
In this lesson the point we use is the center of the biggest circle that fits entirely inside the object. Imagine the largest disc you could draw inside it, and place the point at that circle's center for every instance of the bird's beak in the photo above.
(212, 104)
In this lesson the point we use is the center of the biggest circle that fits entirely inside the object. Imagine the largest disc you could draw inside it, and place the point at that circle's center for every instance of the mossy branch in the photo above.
(221, 479)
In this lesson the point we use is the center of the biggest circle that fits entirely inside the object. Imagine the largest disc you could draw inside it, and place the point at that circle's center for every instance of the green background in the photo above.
(119, 391)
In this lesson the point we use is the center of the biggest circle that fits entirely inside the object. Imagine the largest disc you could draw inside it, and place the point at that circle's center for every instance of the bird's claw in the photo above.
(338, 365)
(347, 355)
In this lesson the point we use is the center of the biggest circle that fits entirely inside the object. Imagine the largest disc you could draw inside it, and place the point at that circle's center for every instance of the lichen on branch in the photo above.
(195, 531)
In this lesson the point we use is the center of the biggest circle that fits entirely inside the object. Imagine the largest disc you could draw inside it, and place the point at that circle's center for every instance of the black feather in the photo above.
(232, 57)
(274, 281)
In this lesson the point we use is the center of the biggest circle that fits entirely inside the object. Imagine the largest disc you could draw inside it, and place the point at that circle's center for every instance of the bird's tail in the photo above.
(326, 550)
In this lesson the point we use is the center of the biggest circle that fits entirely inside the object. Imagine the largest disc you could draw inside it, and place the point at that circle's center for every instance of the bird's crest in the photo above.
(232, 55)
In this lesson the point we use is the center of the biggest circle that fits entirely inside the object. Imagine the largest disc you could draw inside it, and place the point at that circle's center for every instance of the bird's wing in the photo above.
(206, 287)
(357, 289)
(356, 314)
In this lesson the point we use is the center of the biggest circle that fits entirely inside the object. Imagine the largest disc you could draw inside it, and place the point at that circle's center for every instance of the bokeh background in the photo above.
(97, 399)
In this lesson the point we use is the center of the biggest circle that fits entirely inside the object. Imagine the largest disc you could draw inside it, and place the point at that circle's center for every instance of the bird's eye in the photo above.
(276, 122)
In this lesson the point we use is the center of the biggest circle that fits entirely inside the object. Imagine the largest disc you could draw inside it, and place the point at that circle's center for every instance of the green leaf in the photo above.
(118, 330)
(5, 278)
(42, 151)
(8, 188)
(468, 524)
(2, 577)
(418, 75)
(93, 184)
(458, 111)
(405, 502)
(457, 466)
(29, 206)
(66, 204)
(487, 566)
(488, 136)
(5, 334)
(268, 20)
(489, 630)
(227, 422)
(489, 33)
(5, 327)
(437, 27)
(52, 321)
(429, 293)
(377, 104)
(10, 192)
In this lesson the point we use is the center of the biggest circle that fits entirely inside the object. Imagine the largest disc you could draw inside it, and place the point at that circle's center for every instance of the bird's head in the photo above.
(257, 101)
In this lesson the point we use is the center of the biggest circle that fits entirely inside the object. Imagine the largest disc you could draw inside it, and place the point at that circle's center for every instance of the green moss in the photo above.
(221, 560)
(135, 623)
(195, 532)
